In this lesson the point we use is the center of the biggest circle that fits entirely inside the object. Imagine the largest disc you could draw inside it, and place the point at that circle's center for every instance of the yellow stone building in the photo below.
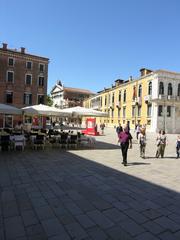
(151, 99)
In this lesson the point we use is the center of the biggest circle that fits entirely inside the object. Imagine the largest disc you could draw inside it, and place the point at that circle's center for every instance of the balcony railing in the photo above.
(148, 98)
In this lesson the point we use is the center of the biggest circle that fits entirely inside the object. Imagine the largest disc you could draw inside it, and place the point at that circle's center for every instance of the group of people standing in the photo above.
(125, 141)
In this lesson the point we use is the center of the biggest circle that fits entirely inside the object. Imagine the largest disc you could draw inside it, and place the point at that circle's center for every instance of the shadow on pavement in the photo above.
(58, 194)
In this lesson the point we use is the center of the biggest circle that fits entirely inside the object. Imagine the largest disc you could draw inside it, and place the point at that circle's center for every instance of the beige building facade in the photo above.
(152, 99)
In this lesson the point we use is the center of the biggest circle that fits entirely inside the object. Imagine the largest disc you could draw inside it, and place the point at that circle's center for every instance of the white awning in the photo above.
(43, 110)
(82, 111)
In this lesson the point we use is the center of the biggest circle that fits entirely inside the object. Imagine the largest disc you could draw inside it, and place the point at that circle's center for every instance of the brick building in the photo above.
(23, 78)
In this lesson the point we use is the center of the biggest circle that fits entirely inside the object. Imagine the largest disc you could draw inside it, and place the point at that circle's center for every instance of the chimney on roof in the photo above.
(4, 46)
(130, 78)
(145, 71)
(22, 50)
(118, 82)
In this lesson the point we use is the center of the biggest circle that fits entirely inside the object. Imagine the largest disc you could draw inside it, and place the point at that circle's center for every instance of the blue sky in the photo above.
(91, 43)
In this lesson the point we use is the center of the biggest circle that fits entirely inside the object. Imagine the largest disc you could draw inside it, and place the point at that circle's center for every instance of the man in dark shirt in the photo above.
(125, 139)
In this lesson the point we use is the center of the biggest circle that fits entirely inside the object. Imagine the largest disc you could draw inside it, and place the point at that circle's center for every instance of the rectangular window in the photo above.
(28, 79)
(41, 81)
(160, 110)
(41, 67)
(105, 101)
(133, 111)
(112, 113)
(124, 112)
(10, 76)
(168, 111)
(119, 112)
(149, 108)
(8, 121)
(139, 111)
(29, 65)
(11, 61)
(40, 99)
(9, 97)
(28, 99)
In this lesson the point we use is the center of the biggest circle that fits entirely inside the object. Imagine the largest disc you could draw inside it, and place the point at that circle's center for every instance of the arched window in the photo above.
(170, 90)
(113, 98)
(140, 91)
(119, 96)
(161, 88)
(124, 98)
(178, 91)
(150, 88)
(134, 92)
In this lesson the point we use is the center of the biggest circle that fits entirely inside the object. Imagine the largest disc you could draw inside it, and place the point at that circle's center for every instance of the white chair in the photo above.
(19, 141)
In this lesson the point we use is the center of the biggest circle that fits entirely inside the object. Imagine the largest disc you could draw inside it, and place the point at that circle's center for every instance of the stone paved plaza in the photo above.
(88, 194)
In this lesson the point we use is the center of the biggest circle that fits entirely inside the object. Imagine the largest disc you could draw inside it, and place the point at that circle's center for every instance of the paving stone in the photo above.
(153, 227)
(7, 196)
(24, 204)
(152, 214)
(35, 230)
(60, 237)
(132, 227)
(120, 205)
(76, 231)
(100, 219)
(38, 202)
(2, 237)
(97, 234)
(73, 194)
(146, 236)
(167, 224)
(14, 227)
(53, 227)
(100, 204)
(29, 217)
(137, 217)
(73, 208)
(37, 237)
(10, 209)
(175, 218)
(115, 215)
(85, 221)
(44, 212)
(117, 233)
(66, 218)
(85, 205)
(168, 236)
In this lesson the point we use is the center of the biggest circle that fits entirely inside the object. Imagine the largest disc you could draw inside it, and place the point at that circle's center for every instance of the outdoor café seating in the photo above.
(39, 141)
(5, 142)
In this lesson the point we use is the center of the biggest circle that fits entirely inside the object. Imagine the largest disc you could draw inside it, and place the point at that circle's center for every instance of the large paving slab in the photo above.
(89, 194)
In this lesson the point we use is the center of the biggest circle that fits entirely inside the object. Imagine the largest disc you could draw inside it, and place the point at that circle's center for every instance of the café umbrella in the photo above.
(8, 109)
(43, 110)
(82, 111)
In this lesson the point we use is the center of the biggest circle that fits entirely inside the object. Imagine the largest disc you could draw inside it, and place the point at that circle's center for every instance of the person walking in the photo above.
(178, 146)
(161, 142)
(137, 130)
(119, 129)
(142, 142)
(125, 140)
(102, 126)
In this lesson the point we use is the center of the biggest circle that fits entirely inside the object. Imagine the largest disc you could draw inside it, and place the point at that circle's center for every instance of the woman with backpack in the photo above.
(142, 142)
(161, 142)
